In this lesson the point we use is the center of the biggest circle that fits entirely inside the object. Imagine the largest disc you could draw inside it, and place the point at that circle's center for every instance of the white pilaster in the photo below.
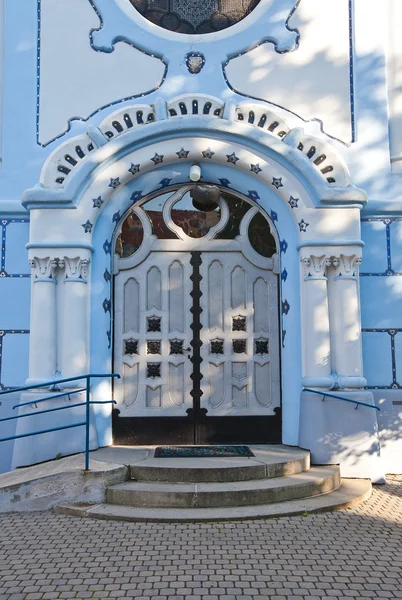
(43, 330)
(73, 320)
(345, 314)
(316, 332)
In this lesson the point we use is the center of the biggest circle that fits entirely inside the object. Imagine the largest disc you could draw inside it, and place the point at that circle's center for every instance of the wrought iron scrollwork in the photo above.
(217, 347)
(239, 346)
(239, 323)
(154, 324)
(131, 347)
(154, 347)
(153, 370)
(261, 346)
(176, 346)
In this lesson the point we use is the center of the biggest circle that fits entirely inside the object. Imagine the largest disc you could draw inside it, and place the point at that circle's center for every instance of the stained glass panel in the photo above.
(195, 223)
(131, 236)
(261, 237)
(193, 16)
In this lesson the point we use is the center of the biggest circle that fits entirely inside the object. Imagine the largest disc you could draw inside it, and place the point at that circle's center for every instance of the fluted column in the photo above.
(73, 318)
(345, 316)
(315, 319)
(43, 329)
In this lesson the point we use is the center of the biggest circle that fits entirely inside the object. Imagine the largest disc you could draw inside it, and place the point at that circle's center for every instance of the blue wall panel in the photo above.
(375, 250)
(396, 245)
(16, 260)
(381, 302)
(377, 357)
(398, 357)
(14, 303)
(15, 359)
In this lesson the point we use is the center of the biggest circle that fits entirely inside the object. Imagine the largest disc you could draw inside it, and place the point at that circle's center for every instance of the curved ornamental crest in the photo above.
(193, 16)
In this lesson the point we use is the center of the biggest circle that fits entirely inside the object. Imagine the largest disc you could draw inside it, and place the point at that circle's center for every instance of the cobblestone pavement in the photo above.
(355, 553)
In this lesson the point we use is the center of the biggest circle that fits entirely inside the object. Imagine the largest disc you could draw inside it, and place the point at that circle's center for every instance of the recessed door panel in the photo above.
(248, 340)
(152, 335)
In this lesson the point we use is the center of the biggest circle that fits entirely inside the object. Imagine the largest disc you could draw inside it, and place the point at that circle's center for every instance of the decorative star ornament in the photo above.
(106, 305)
(107, 276)
(293, 202)
(107, 247)
(285, 307)
(303, 225)
(114, 182)
(284, 246)
(225, 182)
(97, 202)
(165, 182)
(183, 153)
(274, 215)
(255, 169)
(208, 153)
(232, 158)
(87, 226)
(116, 217)
(277, 182)
(137, 195)
(134, 169)
(253, 195)
(157, 159)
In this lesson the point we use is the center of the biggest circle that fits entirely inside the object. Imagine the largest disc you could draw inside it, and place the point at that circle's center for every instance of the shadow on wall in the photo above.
(7, 429)
(313, 80)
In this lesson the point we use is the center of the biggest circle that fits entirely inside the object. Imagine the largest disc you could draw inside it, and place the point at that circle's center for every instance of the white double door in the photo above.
(154, 313)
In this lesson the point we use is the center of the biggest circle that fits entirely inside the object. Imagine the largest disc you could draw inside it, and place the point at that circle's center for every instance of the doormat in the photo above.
(201, 451)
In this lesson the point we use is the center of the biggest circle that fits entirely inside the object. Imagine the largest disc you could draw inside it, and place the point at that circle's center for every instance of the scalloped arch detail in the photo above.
(318, 152)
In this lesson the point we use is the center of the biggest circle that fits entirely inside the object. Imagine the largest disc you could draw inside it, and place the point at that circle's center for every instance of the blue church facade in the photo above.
(293, 109)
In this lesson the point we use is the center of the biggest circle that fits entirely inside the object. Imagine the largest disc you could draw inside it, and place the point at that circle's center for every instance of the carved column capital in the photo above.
(74, 268)
(346, 266)
(315, 267)
(43, 268)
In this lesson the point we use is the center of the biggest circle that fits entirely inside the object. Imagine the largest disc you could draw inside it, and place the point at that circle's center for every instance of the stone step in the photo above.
(350, 493)
(318, 480)
(268, 461)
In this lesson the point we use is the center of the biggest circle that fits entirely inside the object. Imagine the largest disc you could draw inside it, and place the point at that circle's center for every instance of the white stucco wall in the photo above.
(394, 73)
(75, 80)
(1, 75)
(313, 80)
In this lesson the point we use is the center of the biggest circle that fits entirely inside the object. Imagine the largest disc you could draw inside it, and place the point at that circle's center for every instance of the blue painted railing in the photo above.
(325, 394)
(53, 384)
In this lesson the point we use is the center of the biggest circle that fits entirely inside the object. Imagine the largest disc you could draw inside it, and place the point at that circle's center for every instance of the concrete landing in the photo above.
(268, 461)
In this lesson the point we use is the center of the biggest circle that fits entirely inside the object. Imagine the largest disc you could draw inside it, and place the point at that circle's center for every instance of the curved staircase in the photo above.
(277, 481)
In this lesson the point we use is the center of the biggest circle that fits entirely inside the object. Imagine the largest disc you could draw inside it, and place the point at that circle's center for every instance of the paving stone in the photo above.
(351, 554)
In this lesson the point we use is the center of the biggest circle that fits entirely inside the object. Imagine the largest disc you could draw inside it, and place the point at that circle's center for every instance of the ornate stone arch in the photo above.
(300, 181)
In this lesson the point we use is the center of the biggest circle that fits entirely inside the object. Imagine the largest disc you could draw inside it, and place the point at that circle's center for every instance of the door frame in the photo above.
(205, 429)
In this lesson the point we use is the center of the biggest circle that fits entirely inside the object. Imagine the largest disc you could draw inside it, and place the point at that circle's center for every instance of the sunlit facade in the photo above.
(204, 198)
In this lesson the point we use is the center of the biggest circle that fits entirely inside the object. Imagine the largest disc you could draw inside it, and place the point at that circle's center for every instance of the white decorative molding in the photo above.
(63, 160)
(321, 155)
(127, 118)
(259, 115)
(315, 267)
(195, 104)
(256, 115)
(74, 268)
(346, 266)
(43, 268)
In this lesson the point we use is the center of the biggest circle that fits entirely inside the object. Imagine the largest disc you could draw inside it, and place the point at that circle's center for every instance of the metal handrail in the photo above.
(87, 404)
(357, 402)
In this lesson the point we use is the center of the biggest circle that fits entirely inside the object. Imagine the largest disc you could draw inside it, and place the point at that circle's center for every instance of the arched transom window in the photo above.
(194, 16)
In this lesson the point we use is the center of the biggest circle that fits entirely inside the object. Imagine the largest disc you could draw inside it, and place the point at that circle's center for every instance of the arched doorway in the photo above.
(196, 321)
